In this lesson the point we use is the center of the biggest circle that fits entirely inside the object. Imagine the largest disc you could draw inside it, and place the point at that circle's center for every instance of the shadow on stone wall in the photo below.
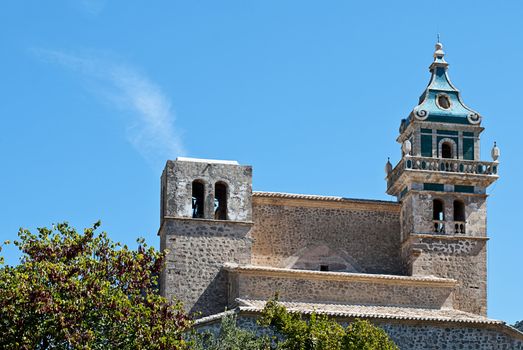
(214, 298)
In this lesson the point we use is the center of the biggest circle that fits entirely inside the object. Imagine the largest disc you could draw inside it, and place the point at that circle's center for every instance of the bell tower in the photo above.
(205, 222)
(442, 186)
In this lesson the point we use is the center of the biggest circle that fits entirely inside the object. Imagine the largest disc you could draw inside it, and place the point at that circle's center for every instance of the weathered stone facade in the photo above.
(464, 259)
(462, 256)
(363, 236)
(417, 266)
(178, 177)
(262, 283)
(198, 249)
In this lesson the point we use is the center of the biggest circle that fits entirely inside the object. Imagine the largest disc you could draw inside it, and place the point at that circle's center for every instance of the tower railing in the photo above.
(441, 227)
(441, 165)
(438, 227)
(459, 227)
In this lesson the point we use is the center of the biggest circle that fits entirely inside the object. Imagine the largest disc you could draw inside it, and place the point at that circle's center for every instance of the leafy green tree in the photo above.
(232, 337)
(321, 333)
(82, 291)
(362, 334)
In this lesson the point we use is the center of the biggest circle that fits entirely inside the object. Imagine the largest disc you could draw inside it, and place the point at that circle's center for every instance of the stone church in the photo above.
(417, 267)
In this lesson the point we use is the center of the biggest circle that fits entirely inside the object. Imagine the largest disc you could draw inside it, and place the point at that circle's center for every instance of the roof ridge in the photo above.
(316, 197)
(251, 267)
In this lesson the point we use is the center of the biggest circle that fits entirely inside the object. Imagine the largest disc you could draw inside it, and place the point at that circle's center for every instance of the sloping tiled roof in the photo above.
(378, 312)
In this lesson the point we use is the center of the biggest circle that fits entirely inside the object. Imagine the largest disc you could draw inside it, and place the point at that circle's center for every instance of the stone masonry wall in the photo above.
(197, 251)
(325, 288)
(463, 259)
(451, 337)
(368, 238)
(461, 256)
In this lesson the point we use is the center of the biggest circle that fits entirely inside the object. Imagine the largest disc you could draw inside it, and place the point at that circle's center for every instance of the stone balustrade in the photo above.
(459, 227)
(439, 227)
(442, 165)
(448, 227)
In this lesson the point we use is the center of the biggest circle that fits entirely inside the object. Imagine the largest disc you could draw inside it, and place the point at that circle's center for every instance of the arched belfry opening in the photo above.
(438, 215)
(459, 216)
(198, 199)
(438, 210)
(459, 210)
(220, 201)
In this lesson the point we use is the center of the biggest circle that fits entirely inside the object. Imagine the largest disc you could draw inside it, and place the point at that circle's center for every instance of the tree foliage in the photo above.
(232, 337)
(293, 332)
(519, 326)
(82, 291)
(320, 332)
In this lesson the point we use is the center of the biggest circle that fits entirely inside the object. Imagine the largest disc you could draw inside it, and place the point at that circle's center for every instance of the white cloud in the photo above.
(150, 126)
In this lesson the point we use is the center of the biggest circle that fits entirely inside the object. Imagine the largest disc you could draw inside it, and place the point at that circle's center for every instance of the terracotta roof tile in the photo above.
(381, 312)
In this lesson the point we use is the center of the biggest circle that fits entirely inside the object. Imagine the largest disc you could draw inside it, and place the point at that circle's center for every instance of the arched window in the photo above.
(198, 199)
(446, 150)
(459, 210)
(459, 216)
(438, 212)
(220, 201)
(438, 215)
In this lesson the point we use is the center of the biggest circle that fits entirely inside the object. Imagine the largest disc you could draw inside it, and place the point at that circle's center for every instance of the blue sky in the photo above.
(96, 95)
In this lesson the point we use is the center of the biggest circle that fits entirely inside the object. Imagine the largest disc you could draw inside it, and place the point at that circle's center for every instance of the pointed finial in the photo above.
(495, 153)
(406, 148)
(439, 53)
(388, 166)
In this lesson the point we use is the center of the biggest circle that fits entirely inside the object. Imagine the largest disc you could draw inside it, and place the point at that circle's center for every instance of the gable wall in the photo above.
(367, 232)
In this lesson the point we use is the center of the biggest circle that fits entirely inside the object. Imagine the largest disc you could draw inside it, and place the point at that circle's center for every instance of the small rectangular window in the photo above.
(463, 189)
(434, 187)
(324, 267)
